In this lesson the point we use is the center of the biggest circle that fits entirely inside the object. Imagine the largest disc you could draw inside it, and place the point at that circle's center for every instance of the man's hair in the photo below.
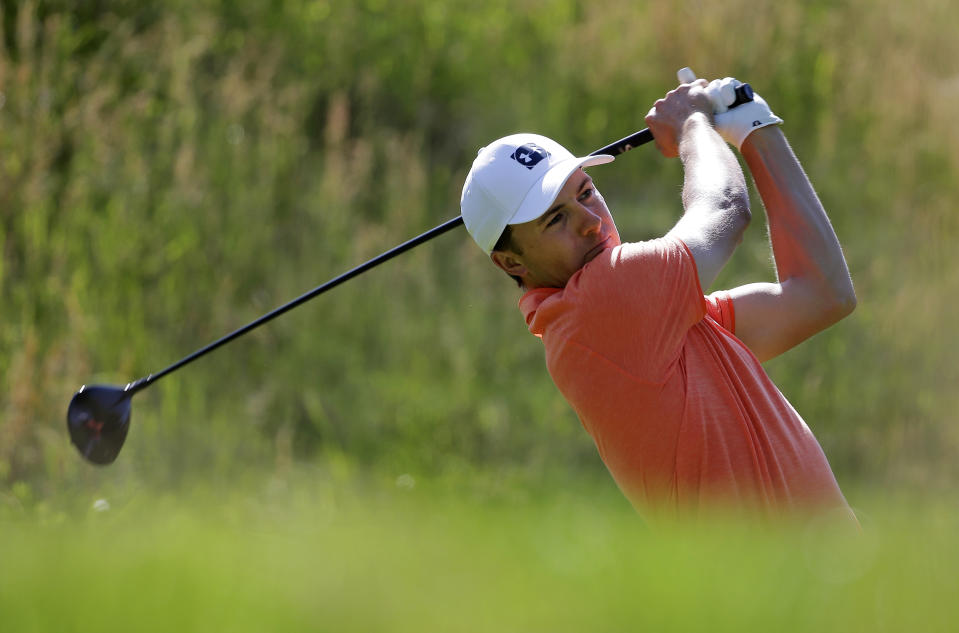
(505, 242)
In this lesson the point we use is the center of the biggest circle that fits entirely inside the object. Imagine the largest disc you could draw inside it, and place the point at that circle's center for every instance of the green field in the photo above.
(393, 456)
(383, 557)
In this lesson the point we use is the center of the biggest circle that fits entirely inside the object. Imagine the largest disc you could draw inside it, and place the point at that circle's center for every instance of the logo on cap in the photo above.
(529, 155)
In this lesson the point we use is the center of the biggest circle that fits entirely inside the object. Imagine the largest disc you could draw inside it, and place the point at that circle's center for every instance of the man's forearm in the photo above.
(715, 200)
(805, 247)
(713, 179)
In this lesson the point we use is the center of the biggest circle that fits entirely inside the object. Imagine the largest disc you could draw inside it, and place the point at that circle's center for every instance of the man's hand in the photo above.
(736, 124)
(668, 117)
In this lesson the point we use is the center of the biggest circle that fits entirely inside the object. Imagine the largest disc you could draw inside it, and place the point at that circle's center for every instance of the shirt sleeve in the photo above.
(640, 299)
(719, 306)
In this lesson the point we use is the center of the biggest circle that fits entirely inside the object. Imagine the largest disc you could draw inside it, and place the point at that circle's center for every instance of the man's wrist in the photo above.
(699, 117)
(761, 139)
(698, 136)
(695, 121)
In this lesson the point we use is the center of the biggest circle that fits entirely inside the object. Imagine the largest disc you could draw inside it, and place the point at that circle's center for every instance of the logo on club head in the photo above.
(529, 155)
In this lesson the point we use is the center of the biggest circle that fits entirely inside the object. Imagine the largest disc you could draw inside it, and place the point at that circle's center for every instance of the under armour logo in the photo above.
(529, 155)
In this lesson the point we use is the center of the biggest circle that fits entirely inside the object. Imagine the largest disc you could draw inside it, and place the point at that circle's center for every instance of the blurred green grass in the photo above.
(374, 556)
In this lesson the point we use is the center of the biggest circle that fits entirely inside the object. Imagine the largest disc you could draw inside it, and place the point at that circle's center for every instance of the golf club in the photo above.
(98, 417)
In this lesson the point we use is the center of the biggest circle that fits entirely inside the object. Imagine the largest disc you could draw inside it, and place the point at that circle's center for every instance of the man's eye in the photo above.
(587, 194)
(553, 220)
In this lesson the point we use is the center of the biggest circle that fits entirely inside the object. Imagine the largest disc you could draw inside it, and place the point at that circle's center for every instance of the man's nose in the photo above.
(589, 222)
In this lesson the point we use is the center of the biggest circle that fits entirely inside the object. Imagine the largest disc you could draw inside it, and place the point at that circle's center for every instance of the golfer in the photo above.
(667, 380)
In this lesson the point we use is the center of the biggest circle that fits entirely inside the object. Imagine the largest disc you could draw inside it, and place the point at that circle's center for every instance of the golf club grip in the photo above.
(744, 94)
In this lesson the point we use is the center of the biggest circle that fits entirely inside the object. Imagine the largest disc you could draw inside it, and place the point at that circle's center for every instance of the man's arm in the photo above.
(715, 199)
(814, 289)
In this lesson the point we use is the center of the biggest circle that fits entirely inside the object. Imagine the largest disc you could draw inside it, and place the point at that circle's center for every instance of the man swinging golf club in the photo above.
(667, 381)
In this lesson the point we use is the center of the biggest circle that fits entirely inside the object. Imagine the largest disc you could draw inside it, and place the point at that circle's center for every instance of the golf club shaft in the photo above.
(379, 259)
(622, 145)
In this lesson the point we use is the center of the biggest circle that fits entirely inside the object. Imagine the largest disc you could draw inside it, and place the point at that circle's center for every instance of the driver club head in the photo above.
(98, 420)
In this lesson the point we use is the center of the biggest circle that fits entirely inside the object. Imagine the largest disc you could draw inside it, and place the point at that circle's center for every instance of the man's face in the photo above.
(575, 229)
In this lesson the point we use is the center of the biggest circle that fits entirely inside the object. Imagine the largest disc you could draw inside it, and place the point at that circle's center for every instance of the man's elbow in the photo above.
(840, 302)
(744, 216)
(737, 212)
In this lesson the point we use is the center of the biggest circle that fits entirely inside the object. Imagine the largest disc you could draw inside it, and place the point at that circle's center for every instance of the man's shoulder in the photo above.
(654, 248)
(634, 262)
(632, 280)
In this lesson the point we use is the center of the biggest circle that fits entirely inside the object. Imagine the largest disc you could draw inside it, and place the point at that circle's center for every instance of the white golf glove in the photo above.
(736, 124)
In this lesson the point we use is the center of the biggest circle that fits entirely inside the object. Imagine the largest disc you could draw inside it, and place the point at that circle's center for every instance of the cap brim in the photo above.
(542, 195)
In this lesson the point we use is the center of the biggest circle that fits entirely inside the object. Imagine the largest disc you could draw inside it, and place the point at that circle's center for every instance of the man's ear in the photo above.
(508, 262)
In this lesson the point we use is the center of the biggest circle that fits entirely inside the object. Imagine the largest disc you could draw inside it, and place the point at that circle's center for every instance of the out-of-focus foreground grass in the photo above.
(407, 557)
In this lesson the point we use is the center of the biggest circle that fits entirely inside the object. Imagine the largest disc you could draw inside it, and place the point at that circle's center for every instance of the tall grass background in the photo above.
(171, 170)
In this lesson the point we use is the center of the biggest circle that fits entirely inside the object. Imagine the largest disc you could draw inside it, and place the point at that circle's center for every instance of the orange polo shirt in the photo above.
(682, 413)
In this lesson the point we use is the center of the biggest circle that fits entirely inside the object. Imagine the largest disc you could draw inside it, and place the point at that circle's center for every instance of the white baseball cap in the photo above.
(513, 180)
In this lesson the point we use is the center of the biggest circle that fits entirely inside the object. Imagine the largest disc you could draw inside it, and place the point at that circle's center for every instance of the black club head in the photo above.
(98, 420)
